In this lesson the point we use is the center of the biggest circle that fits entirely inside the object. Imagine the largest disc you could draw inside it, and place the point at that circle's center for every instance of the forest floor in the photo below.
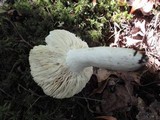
(108, 95)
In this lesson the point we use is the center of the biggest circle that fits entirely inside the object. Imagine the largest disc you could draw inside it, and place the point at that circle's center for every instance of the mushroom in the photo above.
(63, 66)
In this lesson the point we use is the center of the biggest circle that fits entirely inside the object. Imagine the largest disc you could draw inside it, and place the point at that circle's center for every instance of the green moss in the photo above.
(95, 35)
(121, 17)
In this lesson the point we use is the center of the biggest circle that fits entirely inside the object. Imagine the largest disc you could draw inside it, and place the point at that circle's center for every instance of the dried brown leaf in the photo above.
(106, 118)
(101, 87)
(149, 113)
(102, 74)
(118, 96)
(130, 76)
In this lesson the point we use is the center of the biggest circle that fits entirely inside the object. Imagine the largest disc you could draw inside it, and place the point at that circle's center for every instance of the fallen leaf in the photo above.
(149, 113)
(94, 2)
(102, 74)
(147, 7)
(106, 118)
(118, 95)
(131, 76)
(131, 41)
(141, 25)
(100, 89)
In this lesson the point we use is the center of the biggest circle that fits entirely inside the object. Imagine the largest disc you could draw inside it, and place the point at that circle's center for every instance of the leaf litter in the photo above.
(122, 92)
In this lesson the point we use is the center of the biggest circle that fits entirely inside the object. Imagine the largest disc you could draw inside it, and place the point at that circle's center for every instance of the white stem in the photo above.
(121, 59)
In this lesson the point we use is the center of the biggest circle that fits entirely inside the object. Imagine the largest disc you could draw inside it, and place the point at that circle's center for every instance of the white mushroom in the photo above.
(64, 66)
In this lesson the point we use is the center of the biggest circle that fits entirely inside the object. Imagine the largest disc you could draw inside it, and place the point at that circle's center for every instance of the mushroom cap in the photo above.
(50, 70)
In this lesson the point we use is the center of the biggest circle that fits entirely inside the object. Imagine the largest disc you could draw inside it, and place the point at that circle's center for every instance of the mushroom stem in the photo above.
(121, 59)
